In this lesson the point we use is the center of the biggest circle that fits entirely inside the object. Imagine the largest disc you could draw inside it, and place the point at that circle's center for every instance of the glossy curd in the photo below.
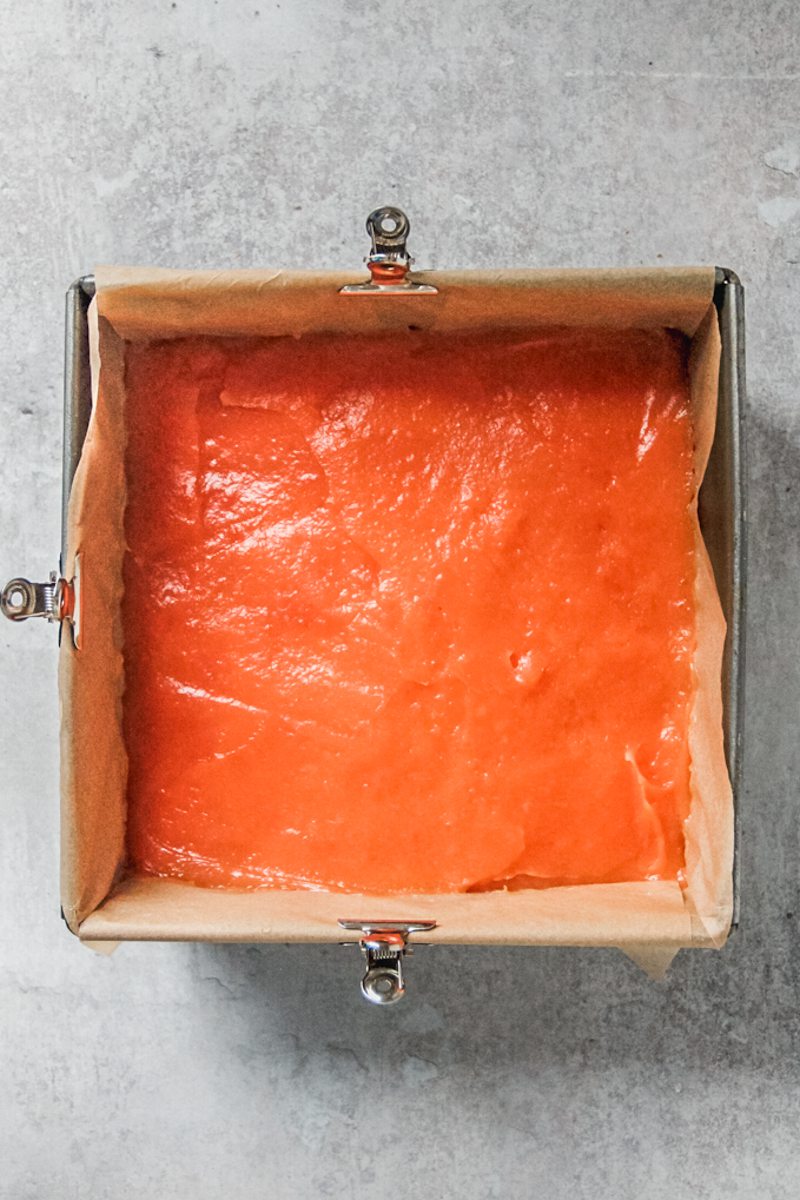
(409, 613)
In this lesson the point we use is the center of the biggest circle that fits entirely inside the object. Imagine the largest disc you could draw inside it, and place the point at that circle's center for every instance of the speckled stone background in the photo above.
(209, 133)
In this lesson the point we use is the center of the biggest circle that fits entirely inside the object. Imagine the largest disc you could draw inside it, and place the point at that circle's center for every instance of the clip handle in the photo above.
(383, 981)
(389, 229)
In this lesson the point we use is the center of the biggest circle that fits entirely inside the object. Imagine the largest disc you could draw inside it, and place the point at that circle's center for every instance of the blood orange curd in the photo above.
(409, 613)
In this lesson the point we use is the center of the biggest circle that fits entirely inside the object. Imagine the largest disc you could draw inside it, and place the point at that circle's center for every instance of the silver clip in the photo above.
(21, 599)
(384, 945)
(389, 261)
(56, 600)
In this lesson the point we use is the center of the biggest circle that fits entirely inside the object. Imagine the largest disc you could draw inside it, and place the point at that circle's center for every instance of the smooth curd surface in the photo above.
(411, 613)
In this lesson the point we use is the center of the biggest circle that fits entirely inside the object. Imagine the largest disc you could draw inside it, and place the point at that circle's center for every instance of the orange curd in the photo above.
(409, 613)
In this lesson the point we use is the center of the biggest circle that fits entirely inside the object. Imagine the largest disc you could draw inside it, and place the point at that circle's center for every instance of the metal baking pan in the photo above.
(722, 514)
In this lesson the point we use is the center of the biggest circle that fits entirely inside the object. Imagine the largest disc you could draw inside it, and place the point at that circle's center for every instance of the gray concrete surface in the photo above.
(588, 133)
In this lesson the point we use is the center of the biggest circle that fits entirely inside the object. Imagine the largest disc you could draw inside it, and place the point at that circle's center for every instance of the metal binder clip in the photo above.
(384, 945)
(56, 600)
(389, 261)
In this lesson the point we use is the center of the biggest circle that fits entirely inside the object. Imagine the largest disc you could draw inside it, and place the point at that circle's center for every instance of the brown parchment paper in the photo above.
(649, 920)
(93, 762)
